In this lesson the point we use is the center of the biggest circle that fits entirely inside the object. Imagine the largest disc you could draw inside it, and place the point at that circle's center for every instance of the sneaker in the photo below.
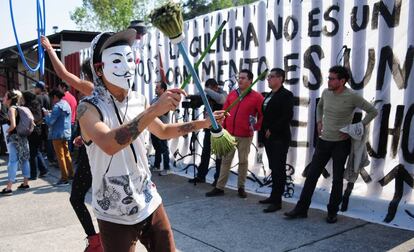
(165, 172)
(43, 174)
(6, 192)
(62, 183)
(197, 180)
(242, 193)
(215, 192)
(23, 186)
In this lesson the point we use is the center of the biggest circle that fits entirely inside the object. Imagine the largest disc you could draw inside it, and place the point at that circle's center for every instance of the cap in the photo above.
(104, 40)
(39, 84)
(139, 26)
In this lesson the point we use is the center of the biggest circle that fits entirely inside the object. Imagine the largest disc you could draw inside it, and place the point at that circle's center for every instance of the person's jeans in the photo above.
(324, 151)
(161, 148)
(205, 158)
(13, 164)
(37, 161)
(243, 149)
(276, 151)
(63, 157)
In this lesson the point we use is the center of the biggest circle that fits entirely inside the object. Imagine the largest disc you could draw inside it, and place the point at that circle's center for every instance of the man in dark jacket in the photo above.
(275, 135)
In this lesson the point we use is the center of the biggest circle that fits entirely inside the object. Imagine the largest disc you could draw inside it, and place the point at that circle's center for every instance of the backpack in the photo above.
(26, 121)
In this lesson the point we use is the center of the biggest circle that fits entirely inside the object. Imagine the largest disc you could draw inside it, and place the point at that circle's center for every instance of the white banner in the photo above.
(374, 39)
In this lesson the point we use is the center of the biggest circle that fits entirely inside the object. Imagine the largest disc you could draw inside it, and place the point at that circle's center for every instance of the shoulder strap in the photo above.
(121, 121)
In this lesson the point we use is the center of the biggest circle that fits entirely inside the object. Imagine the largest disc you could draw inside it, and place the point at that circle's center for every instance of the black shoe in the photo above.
(242, 193)
(272, 208)
(215, 192)
(214, 183)
(197, 180)
(62, 183)
(266, 201)
(331, 218)
(295, 213)
(23, 186)
(43, 174)
(6, 192)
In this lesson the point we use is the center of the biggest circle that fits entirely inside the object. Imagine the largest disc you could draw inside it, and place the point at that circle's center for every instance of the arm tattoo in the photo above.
(82, 107)
(186, 128)
(129, 132)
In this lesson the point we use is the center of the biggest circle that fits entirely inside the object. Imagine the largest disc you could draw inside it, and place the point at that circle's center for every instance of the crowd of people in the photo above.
(107, 126)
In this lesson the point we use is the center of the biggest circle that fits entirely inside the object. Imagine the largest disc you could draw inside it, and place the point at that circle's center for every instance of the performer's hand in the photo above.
(46, 43)
(169, 100)
(220, 115)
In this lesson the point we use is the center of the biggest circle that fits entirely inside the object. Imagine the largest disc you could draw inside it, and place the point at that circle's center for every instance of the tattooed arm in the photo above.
(167, 131)
(113, 140)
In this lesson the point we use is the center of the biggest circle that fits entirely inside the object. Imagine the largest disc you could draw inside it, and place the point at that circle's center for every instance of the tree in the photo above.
(115, 15)
(107, 15)
(194, 8)
(220, 4)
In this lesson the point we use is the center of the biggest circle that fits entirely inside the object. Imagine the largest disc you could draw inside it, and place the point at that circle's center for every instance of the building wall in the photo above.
(69, 47)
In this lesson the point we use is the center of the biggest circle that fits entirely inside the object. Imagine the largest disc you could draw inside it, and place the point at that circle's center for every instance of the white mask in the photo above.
(119, 66)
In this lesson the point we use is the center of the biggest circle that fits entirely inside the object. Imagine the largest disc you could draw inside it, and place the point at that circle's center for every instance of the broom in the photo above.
(169, 19)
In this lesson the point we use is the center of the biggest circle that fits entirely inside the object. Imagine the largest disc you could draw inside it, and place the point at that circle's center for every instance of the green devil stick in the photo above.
(203, 55)
(169, 19)
(245, 92)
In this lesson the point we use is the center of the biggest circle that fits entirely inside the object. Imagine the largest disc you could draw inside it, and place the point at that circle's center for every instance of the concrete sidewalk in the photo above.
(42, 219)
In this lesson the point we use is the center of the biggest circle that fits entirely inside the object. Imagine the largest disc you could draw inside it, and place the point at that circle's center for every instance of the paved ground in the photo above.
(42, 219)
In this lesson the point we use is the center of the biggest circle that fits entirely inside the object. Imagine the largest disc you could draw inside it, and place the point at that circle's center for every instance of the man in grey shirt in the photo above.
(161, 145)
(335, 110)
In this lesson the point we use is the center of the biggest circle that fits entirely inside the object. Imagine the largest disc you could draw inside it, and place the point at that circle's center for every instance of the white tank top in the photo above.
(122, 190)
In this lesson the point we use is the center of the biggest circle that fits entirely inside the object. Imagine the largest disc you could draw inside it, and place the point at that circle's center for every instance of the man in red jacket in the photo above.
(238, 125)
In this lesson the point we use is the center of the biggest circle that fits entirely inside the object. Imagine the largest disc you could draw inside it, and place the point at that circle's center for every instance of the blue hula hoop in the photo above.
(41, 24)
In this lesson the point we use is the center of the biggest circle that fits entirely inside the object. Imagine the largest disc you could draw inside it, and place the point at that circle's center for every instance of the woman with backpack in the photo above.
(17, 145)
(37, 161)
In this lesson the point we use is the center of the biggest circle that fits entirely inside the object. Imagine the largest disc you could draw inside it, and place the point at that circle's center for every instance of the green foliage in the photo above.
(115, 15)
(194, 8)
(106, 15)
